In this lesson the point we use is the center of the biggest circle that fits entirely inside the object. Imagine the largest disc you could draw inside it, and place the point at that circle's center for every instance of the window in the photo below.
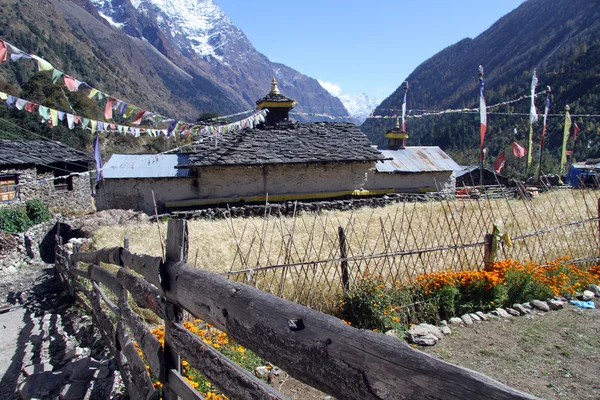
(63, 183)
(8, 188)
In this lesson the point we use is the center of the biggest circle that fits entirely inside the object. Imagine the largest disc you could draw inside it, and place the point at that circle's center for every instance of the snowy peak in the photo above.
(195, 27)
(359, 106)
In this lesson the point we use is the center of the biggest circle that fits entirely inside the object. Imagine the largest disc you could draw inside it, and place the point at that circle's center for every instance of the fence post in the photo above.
(488, 256)
(126, 242)
(176, 251)
(343, 255)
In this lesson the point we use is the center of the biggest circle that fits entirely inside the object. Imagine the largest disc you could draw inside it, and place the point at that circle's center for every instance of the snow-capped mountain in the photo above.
(201, 32)
(359, 106)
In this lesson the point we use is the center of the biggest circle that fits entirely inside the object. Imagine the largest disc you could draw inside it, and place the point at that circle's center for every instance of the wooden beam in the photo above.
(234, 381)
(105, 277)
(321, 350)
(144, 294)
(181, 387)
(147, 266)
(108, 255)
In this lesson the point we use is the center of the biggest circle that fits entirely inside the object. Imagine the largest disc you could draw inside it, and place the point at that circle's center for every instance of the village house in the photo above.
(279, 160)
(45, 170)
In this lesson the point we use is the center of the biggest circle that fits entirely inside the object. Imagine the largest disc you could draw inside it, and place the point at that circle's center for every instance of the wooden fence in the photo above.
(311, 258)
(315, 348)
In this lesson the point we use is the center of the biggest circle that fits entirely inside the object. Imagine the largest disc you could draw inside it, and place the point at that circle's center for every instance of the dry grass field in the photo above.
(298, 258)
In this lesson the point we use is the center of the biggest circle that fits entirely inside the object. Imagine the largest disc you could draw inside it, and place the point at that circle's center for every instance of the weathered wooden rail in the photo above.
(315, 348)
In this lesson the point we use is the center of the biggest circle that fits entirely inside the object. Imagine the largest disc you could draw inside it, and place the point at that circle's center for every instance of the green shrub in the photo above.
(14, 219)
(522, 286)
(37, 211)
(18, 218)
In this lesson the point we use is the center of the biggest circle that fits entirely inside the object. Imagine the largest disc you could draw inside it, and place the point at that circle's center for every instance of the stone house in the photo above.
(279, 160)
(45, 170)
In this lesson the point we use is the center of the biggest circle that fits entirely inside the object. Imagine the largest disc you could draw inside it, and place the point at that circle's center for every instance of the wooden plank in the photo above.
(321, 350)
(147, 266)
(177, 250)
(80, 272)
(107, 301)
(149, 344)
(183, 389)
(234, 381)
(139, 376)
(144, 294)
(105, 277)
(108, 255)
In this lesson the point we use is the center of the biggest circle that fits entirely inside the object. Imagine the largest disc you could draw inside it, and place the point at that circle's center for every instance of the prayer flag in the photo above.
(30, 107)
(54, 116)
(20, 104)
(563, 155)
(44, 113)
(546, 111)
(138, 117)
(71, 83)
(533, 117)
(99, 172)
(482, 113)
(3, 52)
(70, 121)
(56, 74)
(500, 161)
(93, 93)
(518, 150)
(43, 65)
(94, 125)
(109, 107)
(575, 132)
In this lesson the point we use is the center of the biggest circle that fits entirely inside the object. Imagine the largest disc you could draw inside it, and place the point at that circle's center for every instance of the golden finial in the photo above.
(274, 88)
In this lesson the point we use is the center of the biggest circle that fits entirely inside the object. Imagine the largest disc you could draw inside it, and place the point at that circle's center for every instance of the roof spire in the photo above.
(274, 88)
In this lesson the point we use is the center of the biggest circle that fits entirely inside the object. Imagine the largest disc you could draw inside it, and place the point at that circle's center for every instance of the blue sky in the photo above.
(360, 46)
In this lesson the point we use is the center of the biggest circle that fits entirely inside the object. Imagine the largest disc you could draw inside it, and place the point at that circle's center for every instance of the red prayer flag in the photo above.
(2, 52)
(500, 161)
(70, 83)
(109, 107)
(30, 107)
(575, 131)
(518, 150)
(138, 117)
(569, 152)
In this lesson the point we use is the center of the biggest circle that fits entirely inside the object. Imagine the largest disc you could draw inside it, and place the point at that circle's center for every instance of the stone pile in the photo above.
(429, 335)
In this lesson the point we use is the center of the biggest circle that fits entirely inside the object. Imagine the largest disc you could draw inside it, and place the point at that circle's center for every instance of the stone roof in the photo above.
(275, 97)
(319, 142)
(39, 152)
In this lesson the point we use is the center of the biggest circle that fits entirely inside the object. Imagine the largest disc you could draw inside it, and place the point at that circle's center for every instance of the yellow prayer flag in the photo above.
(93, 93)
(506, 238)
(54, 116)
(43, 65)
(3, 96)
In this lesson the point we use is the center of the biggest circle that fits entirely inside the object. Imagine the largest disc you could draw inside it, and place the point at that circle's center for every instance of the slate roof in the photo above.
(145, 166)
(39, 152)
(417, 159)
(319, 142)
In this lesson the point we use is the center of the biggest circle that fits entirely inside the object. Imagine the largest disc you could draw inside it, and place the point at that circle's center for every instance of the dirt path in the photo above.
(553, 355)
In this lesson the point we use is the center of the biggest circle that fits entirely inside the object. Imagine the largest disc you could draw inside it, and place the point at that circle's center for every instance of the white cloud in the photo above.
(332, 88)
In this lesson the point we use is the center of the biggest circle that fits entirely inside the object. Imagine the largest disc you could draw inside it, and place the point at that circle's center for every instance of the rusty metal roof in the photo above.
(416, 159)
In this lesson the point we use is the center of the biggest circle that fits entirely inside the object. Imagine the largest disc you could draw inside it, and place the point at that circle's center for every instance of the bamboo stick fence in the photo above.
(315, 348)
(312, 258)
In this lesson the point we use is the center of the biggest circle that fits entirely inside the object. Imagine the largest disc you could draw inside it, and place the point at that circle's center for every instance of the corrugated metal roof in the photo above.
(146, 166)
(417, 159)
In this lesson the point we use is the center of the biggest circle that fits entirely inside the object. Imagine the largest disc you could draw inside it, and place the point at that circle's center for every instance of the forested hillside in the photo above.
(560, 38)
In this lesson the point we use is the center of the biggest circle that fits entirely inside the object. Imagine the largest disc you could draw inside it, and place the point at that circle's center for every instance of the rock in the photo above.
(594, 289)
(391, 332)
(512, 312)
(467, 319)
(11, 270)
(527, 306)
(434, 330)
(501, 313)
(421, 335)
(73, 391)
(443, 323)
(446, 330)
(522, 310)
(76, 352)
(588, 295)
(475, 317)
(36, 369)
(481, 315)
(261, 372)
(41, 385)
(539, 305)
(456, 321)
(555, 304)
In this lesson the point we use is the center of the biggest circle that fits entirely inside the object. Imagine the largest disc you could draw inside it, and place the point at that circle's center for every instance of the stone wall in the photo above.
(30, 187)
(280, 179)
